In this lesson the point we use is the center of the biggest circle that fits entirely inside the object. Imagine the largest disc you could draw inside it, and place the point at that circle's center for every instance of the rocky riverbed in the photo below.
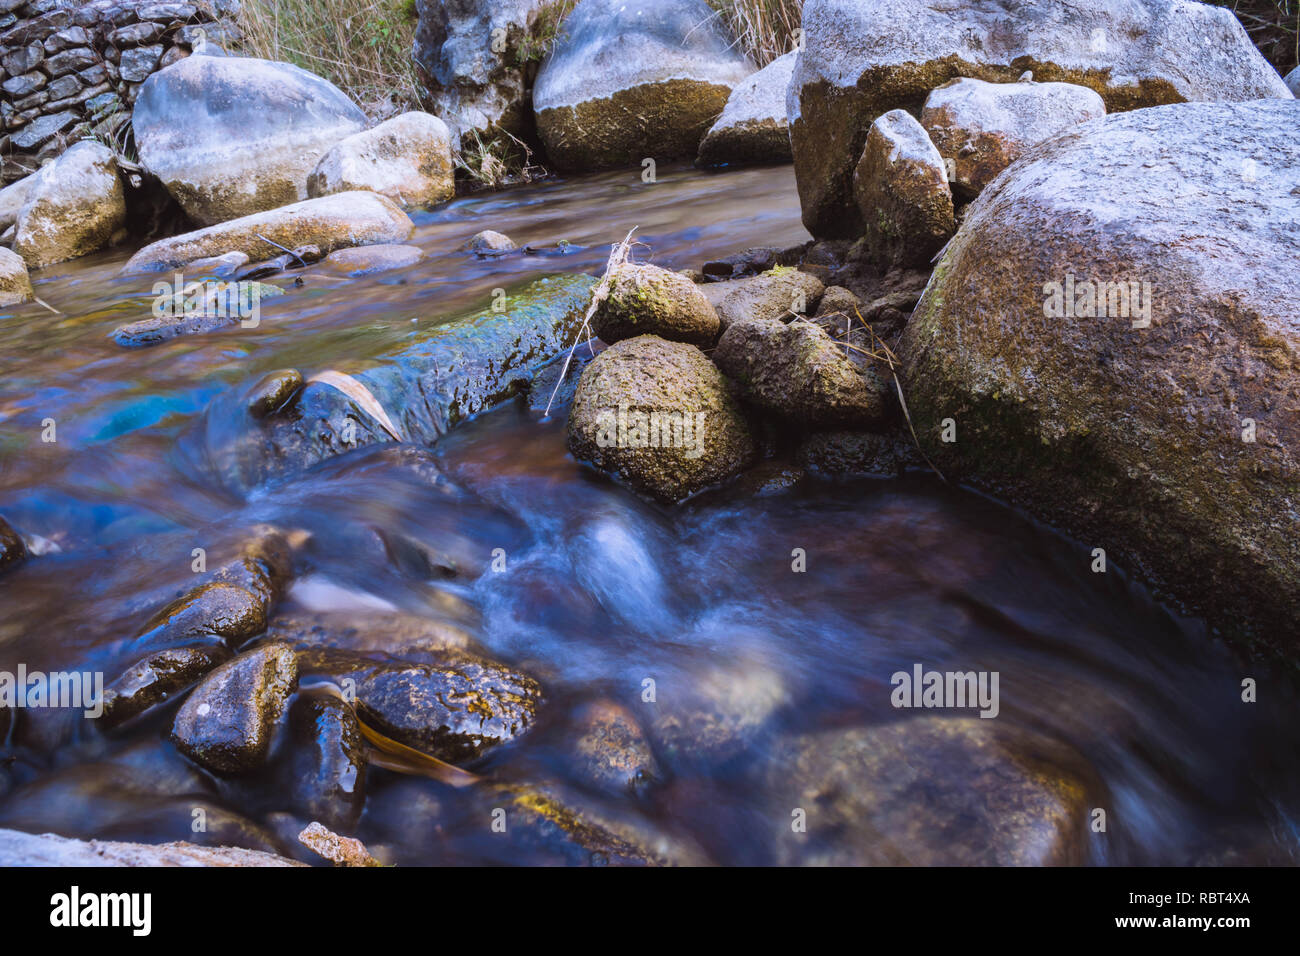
(931, 500)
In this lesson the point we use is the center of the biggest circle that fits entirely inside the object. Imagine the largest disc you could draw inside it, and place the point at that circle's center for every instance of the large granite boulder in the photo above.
(15, 283)
(753, 127)
(74, 207)
(1112, 338)
(634, 79)
(406, 158)
(862, 58)
(230, 136)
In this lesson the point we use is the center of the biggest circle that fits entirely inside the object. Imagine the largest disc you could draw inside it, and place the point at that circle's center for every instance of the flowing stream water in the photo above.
(601, 589)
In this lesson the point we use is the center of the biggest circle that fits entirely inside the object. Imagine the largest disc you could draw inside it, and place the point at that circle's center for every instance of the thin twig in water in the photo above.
(617, 256)
(281, 248)
(40, 301)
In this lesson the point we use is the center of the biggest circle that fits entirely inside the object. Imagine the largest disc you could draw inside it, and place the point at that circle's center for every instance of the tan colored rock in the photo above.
(701, 435)
(901, 189)
(406, 158)
(15, 283)
(647, 300)
(363, 260)
(982, 128)
(330, 222)
(47, 849)
(753, 126)
(339, 850)
(776, 294)
(73, 208)
(233, 136)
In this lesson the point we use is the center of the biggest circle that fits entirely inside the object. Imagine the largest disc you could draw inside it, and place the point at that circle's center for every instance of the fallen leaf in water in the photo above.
(354, 390)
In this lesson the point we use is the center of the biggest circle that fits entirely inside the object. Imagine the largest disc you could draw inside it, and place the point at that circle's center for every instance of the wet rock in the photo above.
(221, 267)
(901, 187)
(647, 300)
(798, 373)
(15, 283)
(441, 375)
(272, 390)
(697, 436)
(12, 550)
(211, 613)
(405, 636)
(862, 58)
(982, 128)
(328, 765)
(752, 261)
(339, 850)
(26, 849)
(456, 708)
(930, 791)
(12, 199)
(158, 678)
(852, 454)
(73, 208)
(753, 126)
(776, 294)
(633, 79)
(1149, 419)
(1293, 81)
(262, 567)
(713, 711)
(406, 158)
(214, 306)
(330, 222)
(364, 260)
(473, 90)
(488, 241)
(612, 751)
(286, 119)
(227, 723)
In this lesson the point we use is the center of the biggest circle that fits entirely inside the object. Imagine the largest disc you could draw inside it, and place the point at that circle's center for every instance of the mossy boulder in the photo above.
(752, 127)
(406, 158)
(74, 207)
(661, 416)
(901, 187)
(798, 373)
(15, 283)
(646, 300)
(629, 80)
(777, 293)
(1112, 341)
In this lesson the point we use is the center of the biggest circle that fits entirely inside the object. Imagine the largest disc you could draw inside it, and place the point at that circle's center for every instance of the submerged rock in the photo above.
(982, 128)
(330, 222)
(234, 136)
(15, 283)
(328, 766)
(930, 791)
(612, 751)
(422, 387)
(455, 708)
(74, 207)
(406, 158)
(646, 300)
(634, 79)
(406, 636)
(1128, 372)
(901, 187)
(862, 58)
(27, 849)
(363, 260)
(661, 416)
(227, 723)
(12, 549)
(797, 372)
(753, 126)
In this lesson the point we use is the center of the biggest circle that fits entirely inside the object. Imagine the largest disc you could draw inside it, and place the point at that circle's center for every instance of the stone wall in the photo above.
(70, 69)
